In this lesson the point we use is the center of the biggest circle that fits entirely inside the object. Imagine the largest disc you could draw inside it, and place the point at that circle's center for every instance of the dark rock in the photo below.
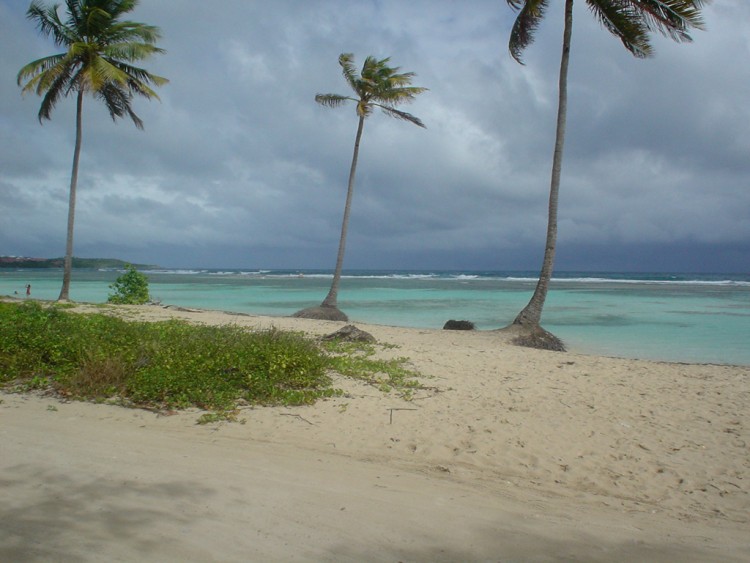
(350, 333)
(458, 325)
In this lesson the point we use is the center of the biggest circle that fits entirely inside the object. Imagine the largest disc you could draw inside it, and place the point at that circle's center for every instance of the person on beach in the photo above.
(28, 290)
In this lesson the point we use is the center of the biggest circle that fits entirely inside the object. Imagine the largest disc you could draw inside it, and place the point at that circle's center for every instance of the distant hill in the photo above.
(80, 263)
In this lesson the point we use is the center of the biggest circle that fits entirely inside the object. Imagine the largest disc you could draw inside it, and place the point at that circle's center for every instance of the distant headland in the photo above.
(82, 263)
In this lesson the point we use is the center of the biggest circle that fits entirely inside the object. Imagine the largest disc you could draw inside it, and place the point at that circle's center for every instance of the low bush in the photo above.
(162, 364)
(130, 288)
(174, 364)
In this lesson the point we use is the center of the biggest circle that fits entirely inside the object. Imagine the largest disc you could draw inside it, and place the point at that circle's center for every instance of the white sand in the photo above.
(510, 455)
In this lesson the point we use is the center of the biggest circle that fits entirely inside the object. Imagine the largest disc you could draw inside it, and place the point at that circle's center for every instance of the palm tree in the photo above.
(631, 21)
(100, 49)
(377, 85)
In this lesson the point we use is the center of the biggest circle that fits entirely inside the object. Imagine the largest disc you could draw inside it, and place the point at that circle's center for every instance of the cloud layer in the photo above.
(239, 167)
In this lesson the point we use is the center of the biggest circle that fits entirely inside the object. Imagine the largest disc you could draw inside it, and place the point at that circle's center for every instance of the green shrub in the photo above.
(131, 288)
(163, 364)
(174, 364)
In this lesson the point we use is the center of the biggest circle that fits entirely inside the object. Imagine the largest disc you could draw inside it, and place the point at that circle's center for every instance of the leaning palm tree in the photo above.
(100, 48)
(377, 85)
(631, 21)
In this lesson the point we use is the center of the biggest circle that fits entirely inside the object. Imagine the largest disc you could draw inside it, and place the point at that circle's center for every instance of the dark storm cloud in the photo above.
(238, 166)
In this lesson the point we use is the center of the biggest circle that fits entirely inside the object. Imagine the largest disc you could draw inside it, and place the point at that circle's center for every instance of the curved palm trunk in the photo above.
(68, 261)
(531, 315)
(332, 297)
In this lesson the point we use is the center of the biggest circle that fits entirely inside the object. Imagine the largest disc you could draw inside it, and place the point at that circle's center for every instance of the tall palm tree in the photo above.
(100, 48)
(377, 85)
(631, 21)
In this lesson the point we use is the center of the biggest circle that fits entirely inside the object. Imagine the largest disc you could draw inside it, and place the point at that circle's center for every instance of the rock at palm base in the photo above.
(350, 333)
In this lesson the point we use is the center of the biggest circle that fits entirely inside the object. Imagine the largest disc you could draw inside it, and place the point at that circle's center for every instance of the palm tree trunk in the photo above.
(68, 261)
(332, 297)
(531, 315)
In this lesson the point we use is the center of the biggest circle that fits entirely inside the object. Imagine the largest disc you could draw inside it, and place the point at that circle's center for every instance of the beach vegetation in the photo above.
(175, 364)
(631, 21)
(222, 416)
(167, 364)
(130, 288)
(99, 51)
(359, 360)
(377, 85)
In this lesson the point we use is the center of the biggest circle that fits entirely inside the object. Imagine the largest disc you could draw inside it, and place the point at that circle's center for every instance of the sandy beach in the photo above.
(507, 454)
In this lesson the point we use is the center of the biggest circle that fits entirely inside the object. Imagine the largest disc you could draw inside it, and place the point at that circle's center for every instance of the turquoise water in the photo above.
(676, 317)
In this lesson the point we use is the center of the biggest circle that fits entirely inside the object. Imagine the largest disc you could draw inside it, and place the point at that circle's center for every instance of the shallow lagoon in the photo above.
(677, 317)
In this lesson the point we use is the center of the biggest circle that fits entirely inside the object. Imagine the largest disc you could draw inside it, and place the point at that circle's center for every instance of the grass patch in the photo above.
(221, 416)
(357, 360)
(169, 364)
(175, 364)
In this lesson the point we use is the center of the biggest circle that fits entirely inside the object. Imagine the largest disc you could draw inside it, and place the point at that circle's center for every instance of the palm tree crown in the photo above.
(631, 21)
(100, 51)
(378, 85)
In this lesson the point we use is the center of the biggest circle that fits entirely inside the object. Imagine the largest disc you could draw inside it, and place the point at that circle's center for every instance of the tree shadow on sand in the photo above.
(54, 512)
(514, 546)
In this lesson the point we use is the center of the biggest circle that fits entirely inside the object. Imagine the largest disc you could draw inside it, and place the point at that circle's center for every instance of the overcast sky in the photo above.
(239, 167)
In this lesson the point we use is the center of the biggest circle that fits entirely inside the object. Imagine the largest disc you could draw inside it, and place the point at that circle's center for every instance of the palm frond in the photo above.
(130, 51)
(120, 7)
(63, 71)
(76, 16)
(49, 24)
(127, 31)
(140, 75)
(54, 89)
(346, 60)
(97, 20)
(100, 72)
(672, 18)
(118, 102)
(632, 21)
(625, 24)
(37, 67)
(332, 100)
(142, 89)
(530, 15)
(374, 70)
(403, 79)
(139, 80)
(395, 96)
(398, 114)
(44, 73)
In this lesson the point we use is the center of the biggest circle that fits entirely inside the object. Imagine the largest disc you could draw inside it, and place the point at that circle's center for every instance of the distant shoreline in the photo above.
(78, 263)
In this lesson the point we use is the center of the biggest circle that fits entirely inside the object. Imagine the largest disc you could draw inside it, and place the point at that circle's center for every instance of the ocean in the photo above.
(703, 318)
